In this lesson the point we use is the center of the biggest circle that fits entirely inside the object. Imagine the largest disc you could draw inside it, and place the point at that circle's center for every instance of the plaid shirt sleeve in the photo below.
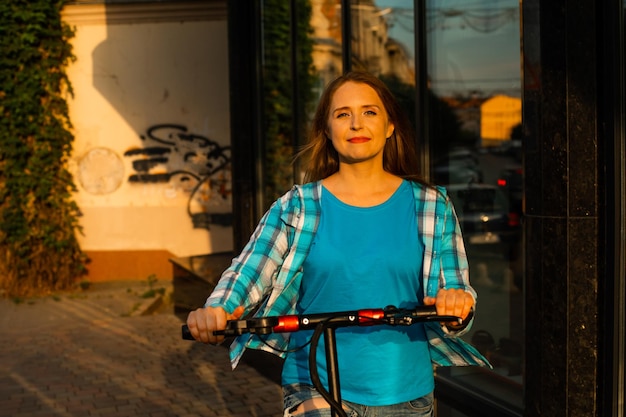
(266, 273)
(252, 273)
(445, 266)
(454, 266)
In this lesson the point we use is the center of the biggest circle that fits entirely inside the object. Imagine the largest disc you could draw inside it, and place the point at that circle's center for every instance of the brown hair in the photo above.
(399, 155)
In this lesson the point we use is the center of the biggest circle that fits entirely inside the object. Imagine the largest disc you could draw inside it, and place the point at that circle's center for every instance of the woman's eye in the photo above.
(371, 113)
(340, 115)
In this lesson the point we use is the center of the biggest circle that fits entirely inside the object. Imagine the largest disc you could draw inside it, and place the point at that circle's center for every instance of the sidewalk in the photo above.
(108, 351)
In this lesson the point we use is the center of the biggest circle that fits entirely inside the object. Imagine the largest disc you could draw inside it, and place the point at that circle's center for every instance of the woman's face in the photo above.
(358, 125)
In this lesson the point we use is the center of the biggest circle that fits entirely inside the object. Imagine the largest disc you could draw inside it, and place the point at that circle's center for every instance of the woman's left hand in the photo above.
(452, 302)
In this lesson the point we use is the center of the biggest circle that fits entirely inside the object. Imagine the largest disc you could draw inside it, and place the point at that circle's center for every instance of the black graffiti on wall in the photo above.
(194, 162)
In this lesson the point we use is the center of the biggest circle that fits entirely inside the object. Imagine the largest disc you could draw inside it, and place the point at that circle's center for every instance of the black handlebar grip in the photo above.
(186, 333)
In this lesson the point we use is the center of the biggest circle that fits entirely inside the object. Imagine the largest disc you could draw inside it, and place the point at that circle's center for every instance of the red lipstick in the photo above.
(358, 139)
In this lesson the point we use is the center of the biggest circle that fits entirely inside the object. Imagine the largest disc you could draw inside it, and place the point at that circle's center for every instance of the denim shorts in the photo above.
(298, 393)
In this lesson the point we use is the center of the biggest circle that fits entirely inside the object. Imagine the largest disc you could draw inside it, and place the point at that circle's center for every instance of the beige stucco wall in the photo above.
(138, 67)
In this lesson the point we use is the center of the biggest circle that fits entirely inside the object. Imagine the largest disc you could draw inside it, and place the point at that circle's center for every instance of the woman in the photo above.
(363, 231)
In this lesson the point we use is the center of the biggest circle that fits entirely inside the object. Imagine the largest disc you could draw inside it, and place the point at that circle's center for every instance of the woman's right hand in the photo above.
(204, 321)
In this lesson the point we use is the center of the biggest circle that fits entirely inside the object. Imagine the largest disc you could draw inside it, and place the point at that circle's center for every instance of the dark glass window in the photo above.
(476, 114)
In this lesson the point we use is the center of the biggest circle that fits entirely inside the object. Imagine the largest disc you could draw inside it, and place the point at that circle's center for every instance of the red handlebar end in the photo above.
(371, 316)
(287, 324)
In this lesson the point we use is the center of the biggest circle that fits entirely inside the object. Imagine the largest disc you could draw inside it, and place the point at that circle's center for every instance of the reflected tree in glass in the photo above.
(286, 96)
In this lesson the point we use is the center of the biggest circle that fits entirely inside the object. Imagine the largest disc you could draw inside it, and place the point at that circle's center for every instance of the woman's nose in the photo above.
(356, 123)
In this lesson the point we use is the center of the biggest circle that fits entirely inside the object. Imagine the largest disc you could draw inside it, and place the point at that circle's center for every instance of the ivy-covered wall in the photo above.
(39, 251)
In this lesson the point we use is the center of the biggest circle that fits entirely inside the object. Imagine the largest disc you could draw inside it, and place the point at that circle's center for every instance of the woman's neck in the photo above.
(363, 189)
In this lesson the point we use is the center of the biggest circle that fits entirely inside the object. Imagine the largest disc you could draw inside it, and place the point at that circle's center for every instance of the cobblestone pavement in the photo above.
(103, 352)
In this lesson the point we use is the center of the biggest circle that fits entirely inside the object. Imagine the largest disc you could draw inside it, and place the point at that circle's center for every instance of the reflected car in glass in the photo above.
(458, 166)
(488, 222)
(453, 174)
(511, 183)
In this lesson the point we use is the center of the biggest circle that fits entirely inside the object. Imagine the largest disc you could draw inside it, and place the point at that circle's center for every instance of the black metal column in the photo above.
(563, 208)
(244, 73)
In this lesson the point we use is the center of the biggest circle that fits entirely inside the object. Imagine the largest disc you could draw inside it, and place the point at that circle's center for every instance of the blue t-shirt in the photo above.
(366, 257)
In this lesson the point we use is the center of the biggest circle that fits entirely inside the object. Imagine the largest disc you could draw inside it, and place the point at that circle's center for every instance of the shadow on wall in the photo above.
(163, 67)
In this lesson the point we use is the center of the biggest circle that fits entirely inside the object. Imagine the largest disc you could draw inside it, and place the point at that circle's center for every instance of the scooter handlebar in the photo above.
(292, 323)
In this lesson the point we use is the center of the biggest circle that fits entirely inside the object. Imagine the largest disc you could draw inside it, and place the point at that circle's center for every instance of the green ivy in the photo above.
(39, 251)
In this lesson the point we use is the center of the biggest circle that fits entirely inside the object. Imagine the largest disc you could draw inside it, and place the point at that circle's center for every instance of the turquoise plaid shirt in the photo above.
(266, 275)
